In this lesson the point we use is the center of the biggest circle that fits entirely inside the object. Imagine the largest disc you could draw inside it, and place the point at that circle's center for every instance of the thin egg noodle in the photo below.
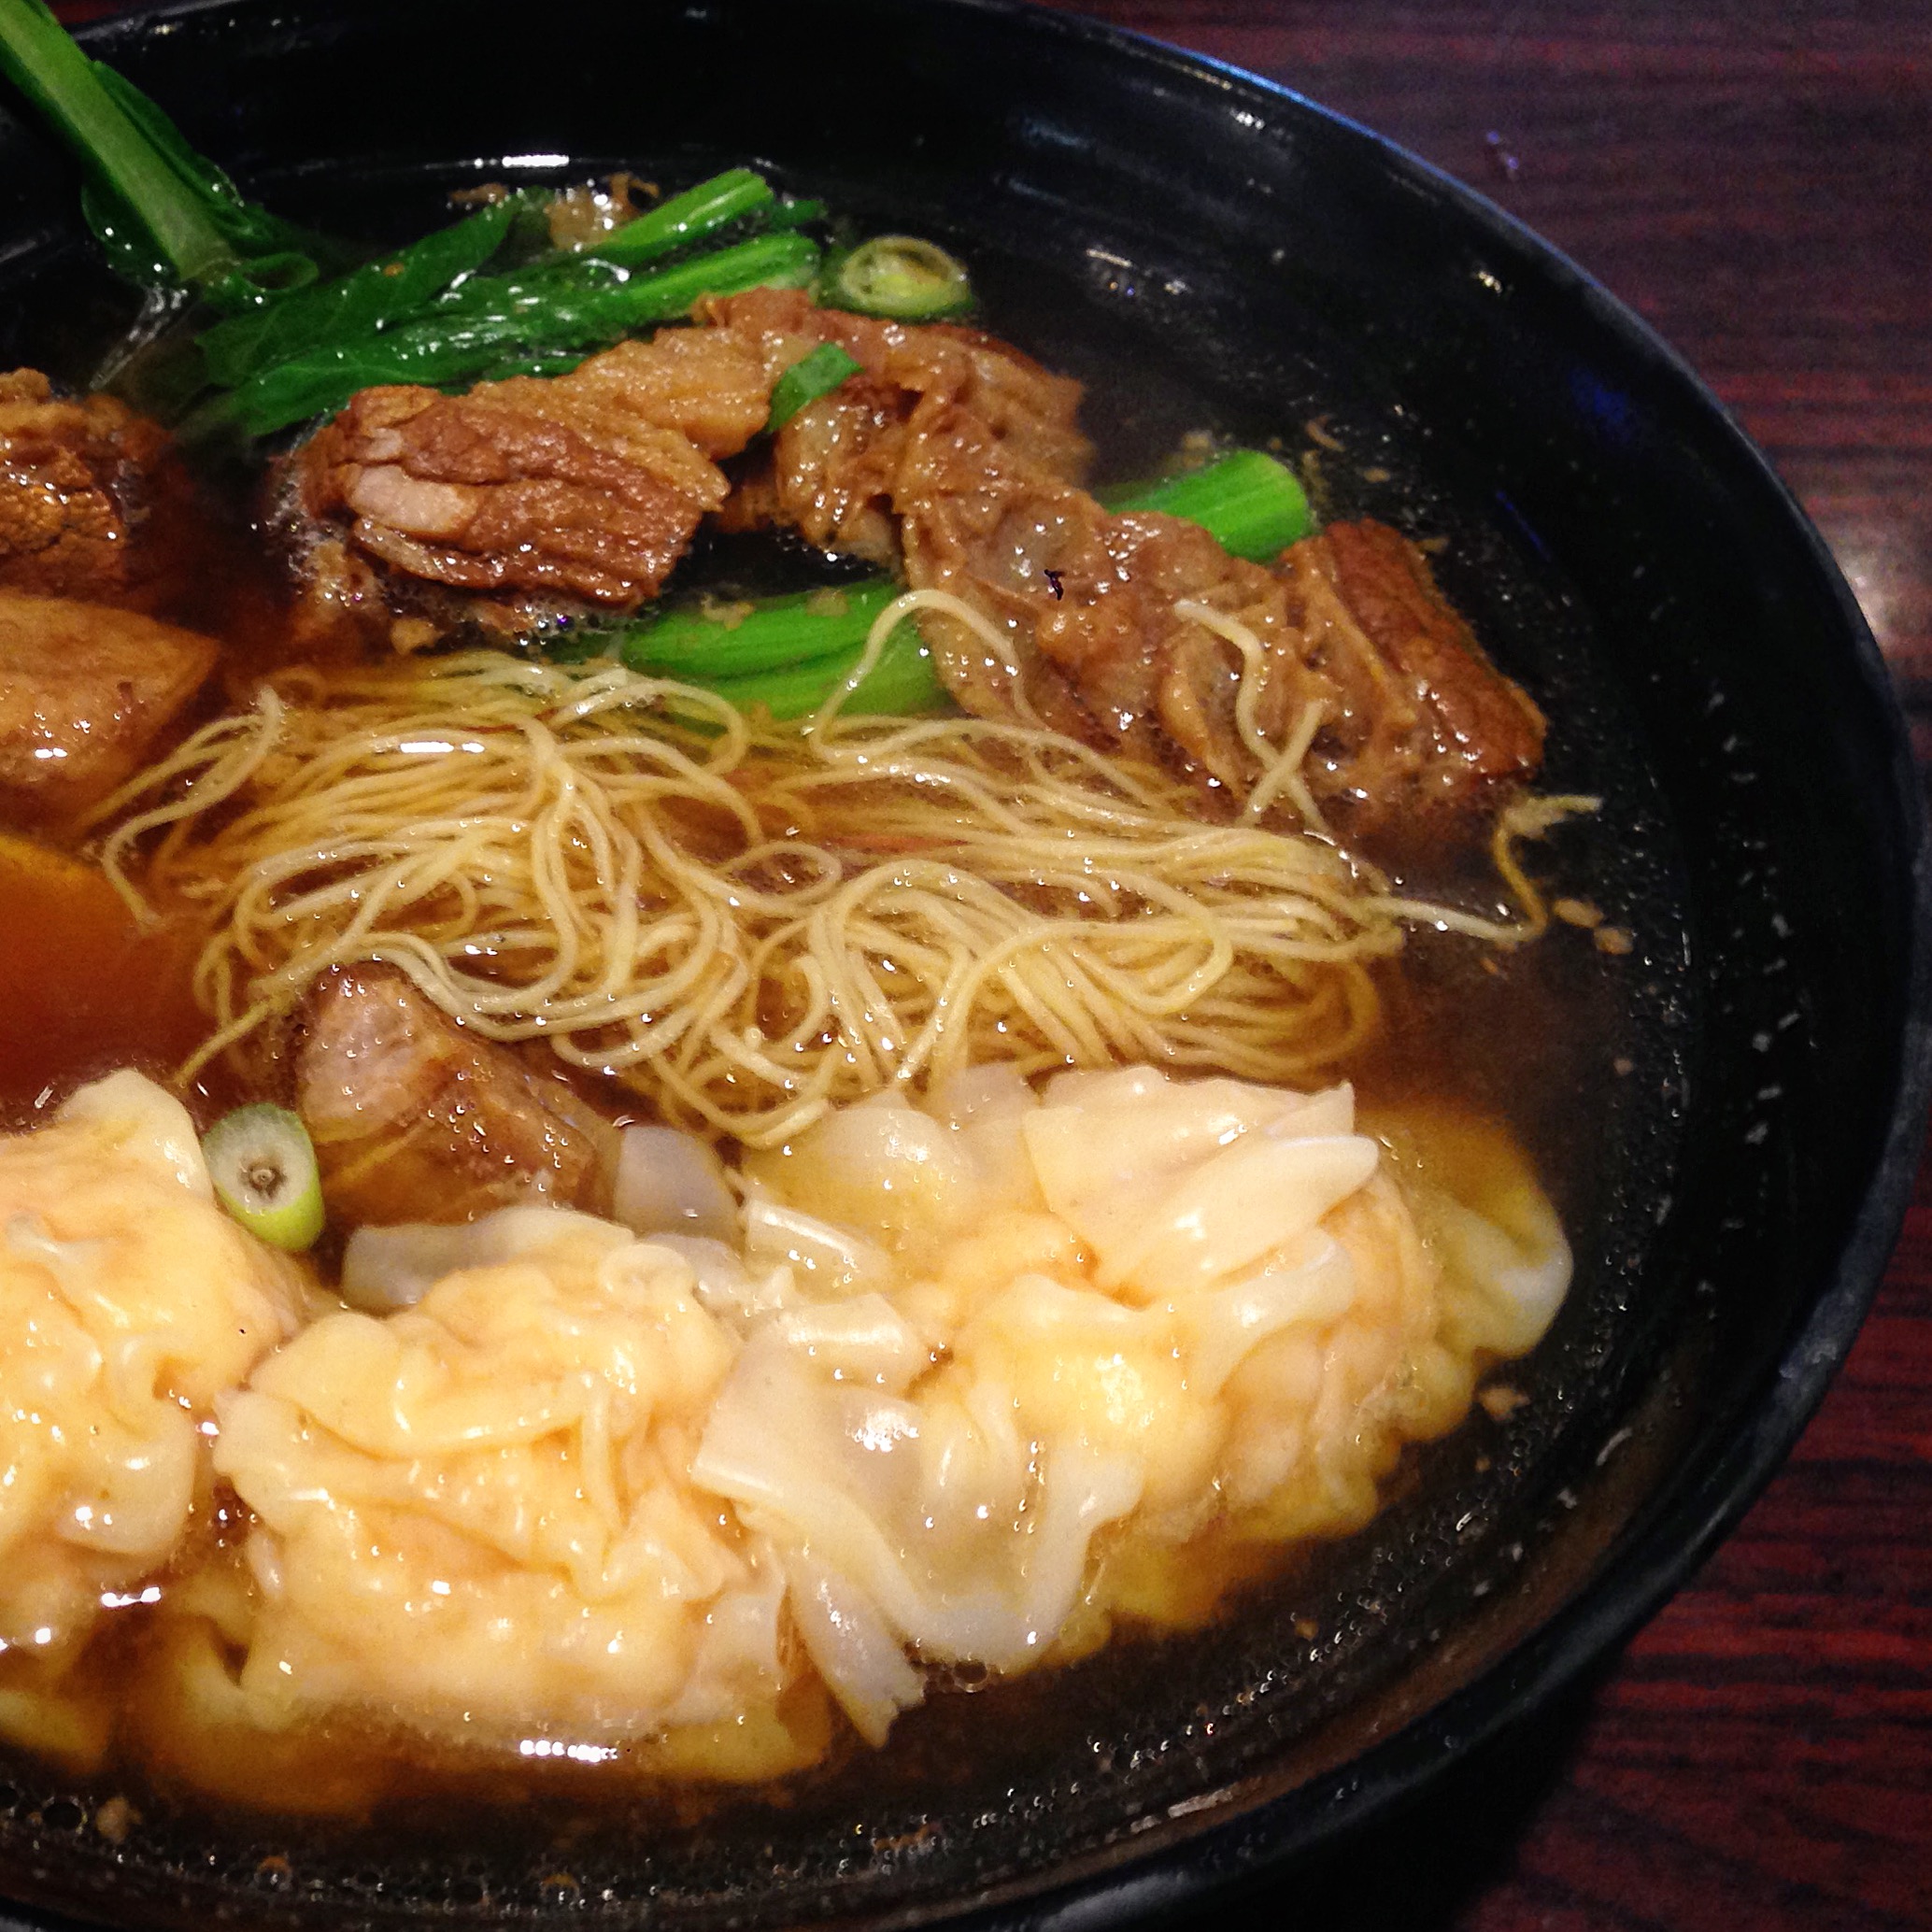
(748, 922)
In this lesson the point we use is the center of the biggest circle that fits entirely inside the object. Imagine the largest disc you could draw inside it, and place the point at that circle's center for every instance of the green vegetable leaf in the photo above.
(376, 296)
(1251, 504)
(690, 641)
(495, 320)
(695, 215)
(164, 213)
(796, 213)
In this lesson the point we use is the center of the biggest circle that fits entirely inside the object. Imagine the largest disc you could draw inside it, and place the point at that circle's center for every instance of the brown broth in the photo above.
(84, 988)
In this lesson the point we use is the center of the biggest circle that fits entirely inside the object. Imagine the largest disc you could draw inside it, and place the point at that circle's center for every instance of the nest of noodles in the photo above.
(745, 922)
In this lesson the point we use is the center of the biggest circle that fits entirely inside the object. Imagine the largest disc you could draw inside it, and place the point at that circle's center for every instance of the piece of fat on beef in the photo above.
(586, 486)
(88, 493)
(1044, 563)
(85, 692)
(415, 1119)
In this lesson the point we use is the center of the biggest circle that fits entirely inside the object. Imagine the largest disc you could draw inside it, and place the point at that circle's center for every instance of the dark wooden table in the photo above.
(1756, 180)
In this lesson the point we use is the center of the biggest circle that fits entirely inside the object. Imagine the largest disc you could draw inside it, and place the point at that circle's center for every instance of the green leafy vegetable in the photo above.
(807, 379)
(165, 215)
(793, 212)
(693, 216)
(1251, 504)
(702, 643)
(789, 654)
(430, 315)
(375, 297)
(901, 684)
(545, 322)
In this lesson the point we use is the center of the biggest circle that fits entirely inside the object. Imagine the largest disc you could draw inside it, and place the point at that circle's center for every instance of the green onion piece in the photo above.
(696, 214)
(1252, 506)
(263, 1167)
(815, 376)
(900, 277)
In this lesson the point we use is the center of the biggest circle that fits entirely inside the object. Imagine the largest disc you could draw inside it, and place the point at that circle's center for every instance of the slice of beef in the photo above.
(415, 1119)
(86, 690)
(1415, 720)
(87, 492)
(588, 485)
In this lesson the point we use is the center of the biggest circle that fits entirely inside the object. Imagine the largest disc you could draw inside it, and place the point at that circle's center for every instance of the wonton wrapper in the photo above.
(129, 1301)
(982, 1376)
(1174, 1324)
(474, 1517)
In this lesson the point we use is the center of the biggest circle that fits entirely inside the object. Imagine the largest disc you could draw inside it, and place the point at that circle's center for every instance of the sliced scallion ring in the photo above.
(902, 278)
(262, 1165)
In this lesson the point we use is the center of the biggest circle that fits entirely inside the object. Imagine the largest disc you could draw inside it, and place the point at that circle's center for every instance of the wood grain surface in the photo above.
(1756, 180)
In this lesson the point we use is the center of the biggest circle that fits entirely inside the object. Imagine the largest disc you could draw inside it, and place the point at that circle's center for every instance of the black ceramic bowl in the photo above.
(1739, 1135)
